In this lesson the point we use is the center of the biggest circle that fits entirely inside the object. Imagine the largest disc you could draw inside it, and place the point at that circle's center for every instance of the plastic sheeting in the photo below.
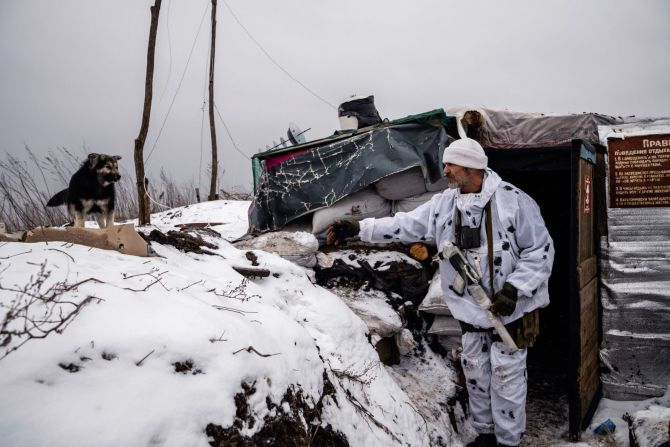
(332, 170)
(635, 295)
(514, 130)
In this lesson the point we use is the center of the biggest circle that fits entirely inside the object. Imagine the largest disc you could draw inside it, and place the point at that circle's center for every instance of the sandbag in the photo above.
(434, 302)
(443, 325)
(360, 205)
(439, 185)
(405, 341)
(298, 247)
(449, 342)
(411, 203)
(402, 184)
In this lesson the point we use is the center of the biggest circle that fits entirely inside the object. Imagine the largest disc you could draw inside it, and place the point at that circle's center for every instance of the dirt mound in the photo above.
(301, 426)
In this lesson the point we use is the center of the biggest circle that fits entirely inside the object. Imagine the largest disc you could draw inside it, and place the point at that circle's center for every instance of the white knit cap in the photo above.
(466, 152)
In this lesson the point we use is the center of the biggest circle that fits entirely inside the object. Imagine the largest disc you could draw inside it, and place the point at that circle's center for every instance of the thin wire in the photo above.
(202, 121)
(273, 60)
(152, 199)
(179, 85)
(202, 131)
(229, 134)
(167, 25)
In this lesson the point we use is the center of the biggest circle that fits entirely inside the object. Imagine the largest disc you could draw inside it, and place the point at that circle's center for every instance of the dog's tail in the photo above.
(59, 199)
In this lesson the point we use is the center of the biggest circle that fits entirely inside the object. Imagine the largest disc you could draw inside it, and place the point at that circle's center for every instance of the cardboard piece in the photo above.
(122, 238)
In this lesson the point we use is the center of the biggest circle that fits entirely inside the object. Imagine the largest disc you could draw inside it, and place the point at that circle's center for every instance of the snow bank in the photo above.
(110, 378)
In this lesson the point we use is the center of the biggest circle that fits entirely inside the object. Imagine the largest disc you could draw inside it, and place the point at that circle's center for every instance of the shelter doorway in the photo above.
(563, 364)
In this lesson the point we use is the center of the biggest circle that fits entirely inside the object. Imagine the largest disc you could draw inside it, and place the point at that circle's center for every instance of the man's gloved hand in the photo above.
(504, 302)
(340, 230)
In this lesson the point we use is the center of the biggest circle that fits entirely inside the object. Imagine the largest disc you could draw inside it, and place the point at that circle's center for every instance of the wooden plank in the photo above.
(589, 317)
(588, 391)
(588, 361)
(588, 377)
(588, 333)
(589, 368)
(586, 271)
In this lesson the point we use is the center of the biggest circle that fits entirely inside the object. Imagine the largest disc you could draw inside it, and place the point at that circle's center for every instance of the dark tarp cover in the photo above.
(363, 109)
(292, 183)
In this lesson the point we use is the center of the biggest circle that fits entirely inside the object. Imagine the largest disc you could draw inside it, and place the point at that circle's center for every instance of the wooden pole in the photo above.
(213, 194)
(144, 216)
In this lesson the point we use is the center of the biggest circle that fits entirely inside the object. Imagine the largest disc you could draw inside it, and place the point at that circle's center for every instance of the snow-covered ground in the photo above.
(152, 351)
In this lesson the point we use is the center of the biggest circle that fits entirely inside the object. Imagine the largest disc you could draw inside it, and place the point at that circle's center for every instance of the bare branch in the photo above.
(144, 358)
(158, 280)
(213, 340)
(230, 309)
(38, 310)
(192, 284)
(238, 292)
(66, 254)
(354, 376)
(251, 349)
(16, 254)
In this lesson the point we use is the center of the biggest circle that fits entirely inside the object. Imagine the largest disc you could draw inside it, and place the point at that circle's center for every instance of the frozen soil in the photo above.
(293, 422)
(547, 415)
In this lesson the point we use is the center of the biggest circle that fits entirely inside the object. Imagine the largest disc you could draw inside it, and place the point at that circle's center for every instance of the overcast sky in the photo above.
(72, 71)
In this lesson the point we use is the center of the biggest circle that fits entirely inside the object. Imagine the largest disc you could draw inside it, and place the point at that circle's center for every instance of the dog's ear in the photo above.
(117, 157)
(93, 159)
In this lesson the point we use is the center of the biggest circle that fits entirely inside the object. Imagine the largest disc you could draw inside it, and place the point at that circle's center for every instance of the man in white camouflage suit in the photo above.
(522, 255)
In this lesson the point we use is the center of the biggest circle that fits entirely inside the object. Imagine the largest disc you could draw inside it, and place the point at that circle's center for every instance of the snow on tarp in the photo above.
(503, 129)
(635, 290)
(336, 167)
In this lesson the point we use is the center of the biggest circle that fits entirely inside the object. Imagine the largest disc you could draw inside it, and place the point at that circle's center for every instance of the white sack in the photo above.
(434, 302)
(449, 342)
(402, 184)
(410, 203)
(405, 341)
(443, 325)
(299, 247)
(438, 186)
(378, 316)
(360, 205)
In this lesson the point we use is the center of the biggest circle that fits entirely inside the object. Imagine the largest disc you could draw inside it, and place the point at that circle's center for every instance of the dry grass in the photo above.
(26, 186)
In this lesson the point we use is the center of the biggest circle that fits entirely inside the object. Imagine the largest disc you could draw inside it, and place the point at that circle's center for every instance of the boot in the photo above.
(484, 440)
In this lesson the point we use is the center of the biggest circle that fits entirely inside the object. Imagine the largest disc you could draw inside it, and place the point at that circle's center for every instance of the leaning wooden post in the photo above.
(142, 196)
(213, 195)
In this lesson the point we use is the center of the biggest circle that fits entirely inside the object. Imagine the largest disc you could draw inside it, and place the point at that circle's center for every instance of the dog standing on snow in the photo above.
(91, 190)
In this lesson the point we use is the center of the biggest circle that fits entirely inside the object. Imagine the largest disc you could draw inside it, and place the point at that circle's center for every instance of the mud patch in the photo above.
(186, 367)
(183, 241)
(70, 367)
(291, 422)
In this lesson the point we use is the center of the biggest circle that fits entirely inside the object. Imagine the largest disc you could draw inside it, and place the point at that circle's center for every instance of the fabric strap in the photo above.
(489, 242)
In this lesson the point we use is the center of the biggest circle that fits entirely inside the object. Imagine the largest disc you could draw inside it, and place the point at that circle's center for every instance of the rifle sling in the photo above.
(489, 242)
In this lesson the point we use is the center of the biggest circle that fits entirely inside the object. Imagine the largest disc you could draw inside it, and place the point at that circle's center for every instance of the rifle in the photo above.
(469, 278)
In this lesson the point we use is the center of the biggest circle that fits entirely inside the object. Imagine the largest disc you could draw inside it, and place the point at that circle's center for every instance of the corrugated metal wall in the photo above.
(635, 294)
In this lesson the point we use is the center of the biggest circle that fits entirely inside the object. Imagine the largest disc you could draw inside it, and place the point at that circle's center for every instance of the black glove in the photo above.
(504, 302)
(340, 230)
